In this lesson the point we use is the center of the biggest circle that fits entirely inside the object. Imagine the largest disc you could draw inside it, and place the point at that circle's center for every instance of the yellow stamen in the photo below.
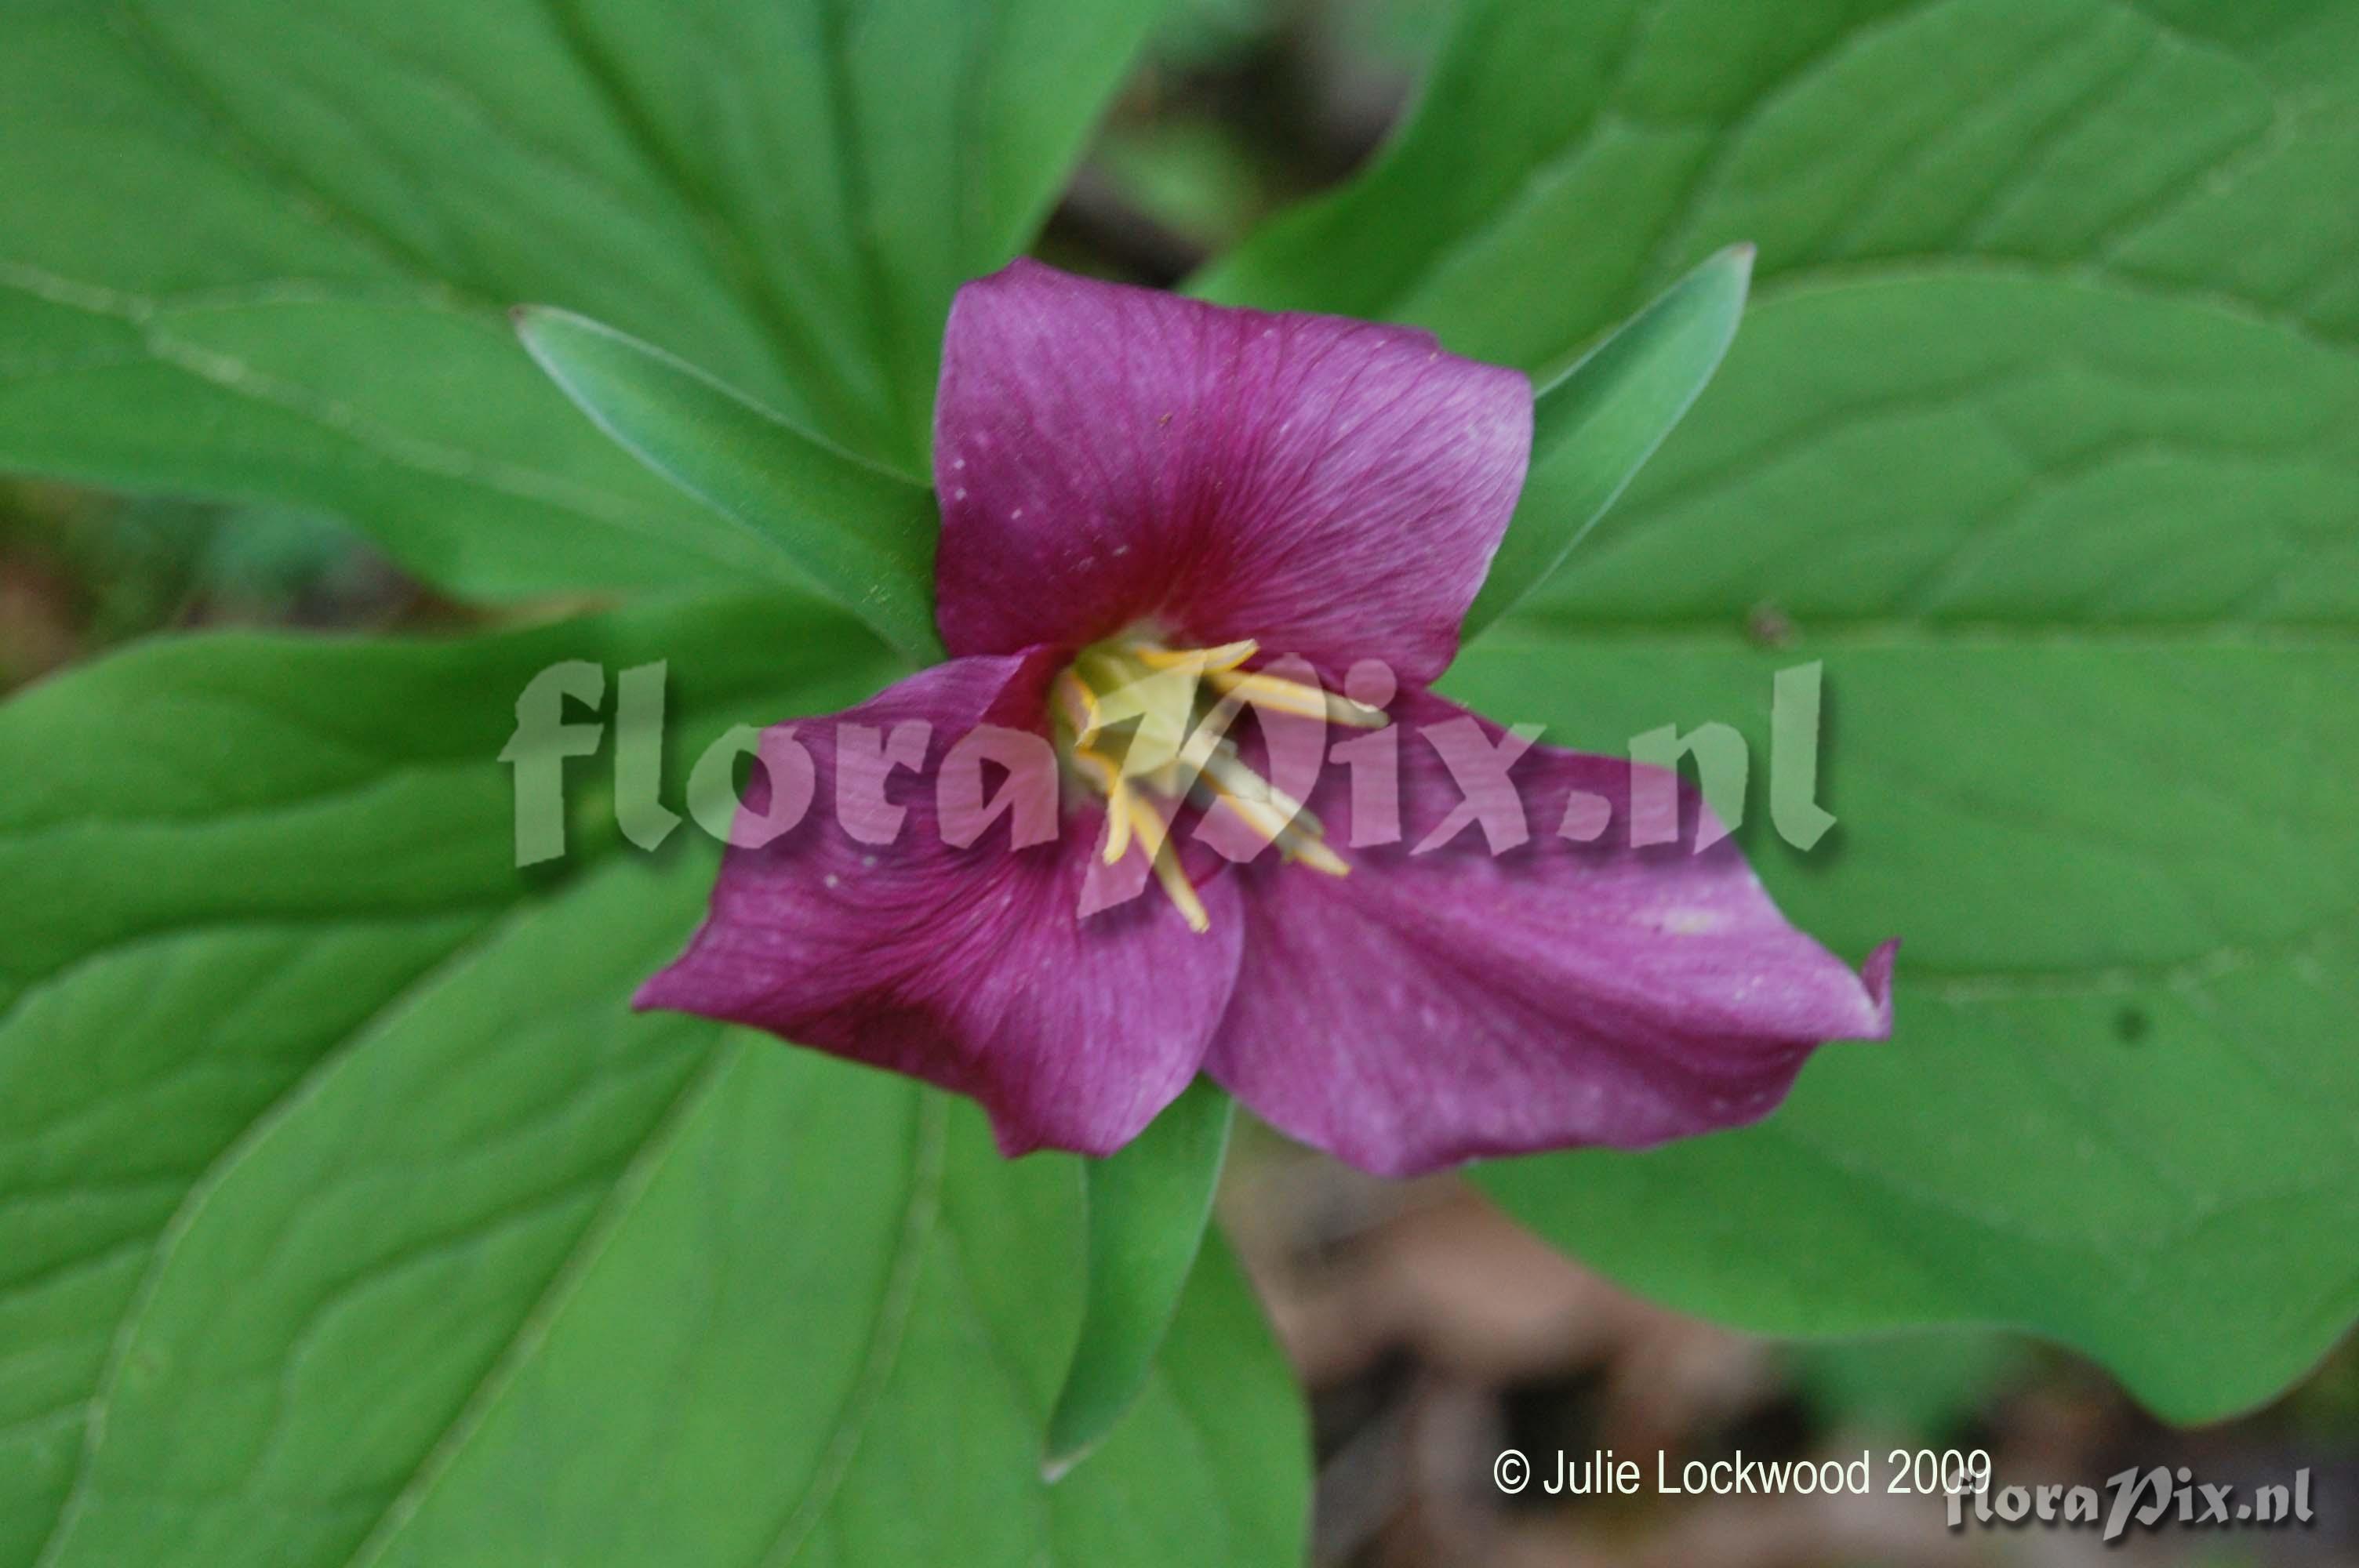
(1264, 811)
(1202, 660)
(1313, 852)
(1232, 779)
(1099, 766)
(1207, 740)
(1119, 808)
(1151, 707)
(1277, 815)
(1179, 890)
(1155, 836)
(1146, 726)
(1076, 704)
(1297, 697)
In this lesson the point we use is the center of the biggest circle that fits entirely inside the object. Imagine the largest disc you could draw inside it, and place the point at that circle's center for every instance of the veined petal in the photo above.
(970, 968)
(1108, 455)
(1438, 1006)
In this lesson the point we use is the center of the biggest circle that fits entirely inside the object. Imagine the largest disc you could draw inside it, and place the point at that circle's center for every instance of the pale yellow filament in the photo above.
(1147, 696)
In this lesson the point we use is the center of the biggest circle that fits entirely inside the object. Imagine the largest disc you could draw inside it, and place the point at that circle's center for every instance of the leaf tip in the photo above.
(536, 325)
(1057, 1464)
(531, 325)
(1076, 1427)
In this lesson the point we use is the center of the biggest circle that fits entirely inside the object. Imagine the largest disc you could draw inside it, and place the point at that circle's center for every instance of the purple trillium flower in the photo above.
(1140, 495)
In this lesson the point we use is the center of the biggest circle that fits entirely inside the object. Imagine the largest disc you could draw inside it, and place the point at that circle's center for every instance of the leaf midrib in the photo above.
(233, 1152)
(630, 1186)
(920, 1215)
(420, 455)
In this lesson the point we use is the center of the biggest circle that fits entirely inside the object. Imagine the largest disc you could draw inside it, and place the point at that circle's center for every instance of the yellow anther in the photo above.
(1179, 890)
(1099, 766)
(1237, 781)
(1077, 705)
(1117, 842)
(1202, 660)
(1145, 724)
(1154, 835)
(1209, 739)
(1261, 817)
(1310, 850)
(1151, 707)
(1297, 697)
(1266, 809)
(1149, 825)
(1277, 815)
(1355, 715)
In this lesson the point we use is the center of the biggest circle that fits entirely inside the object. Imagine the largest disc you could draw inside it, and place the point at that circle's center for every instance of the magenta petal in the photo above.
(1434, 1008)
(1108, 455)
(969, 968)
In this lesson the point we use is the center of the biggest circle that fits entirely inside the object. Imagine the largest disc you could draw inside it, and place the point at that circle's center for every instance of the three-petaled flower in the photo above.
(1143, 493)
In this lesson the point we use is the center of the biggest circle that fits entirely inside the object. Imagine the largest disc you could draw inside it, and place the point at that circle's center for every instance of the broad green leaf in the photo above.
(865, 537)
(826, 1332)
(339, 1189)
(1596, 424)
(2040, 433)
(2118, 1104)
(232, 859)
(2090, 624)
(2071, 459)
(1148, 1205)
(259, 254)
(1565, 162)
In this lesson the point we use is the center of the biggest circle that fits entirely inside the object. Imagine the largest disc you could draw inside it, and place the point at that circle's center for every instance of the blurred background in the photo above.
(1429, 1331)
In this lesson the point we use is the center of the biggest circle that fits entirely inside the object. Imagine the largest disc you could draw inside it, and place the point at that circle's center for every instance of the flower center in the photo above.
(1146, 727)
